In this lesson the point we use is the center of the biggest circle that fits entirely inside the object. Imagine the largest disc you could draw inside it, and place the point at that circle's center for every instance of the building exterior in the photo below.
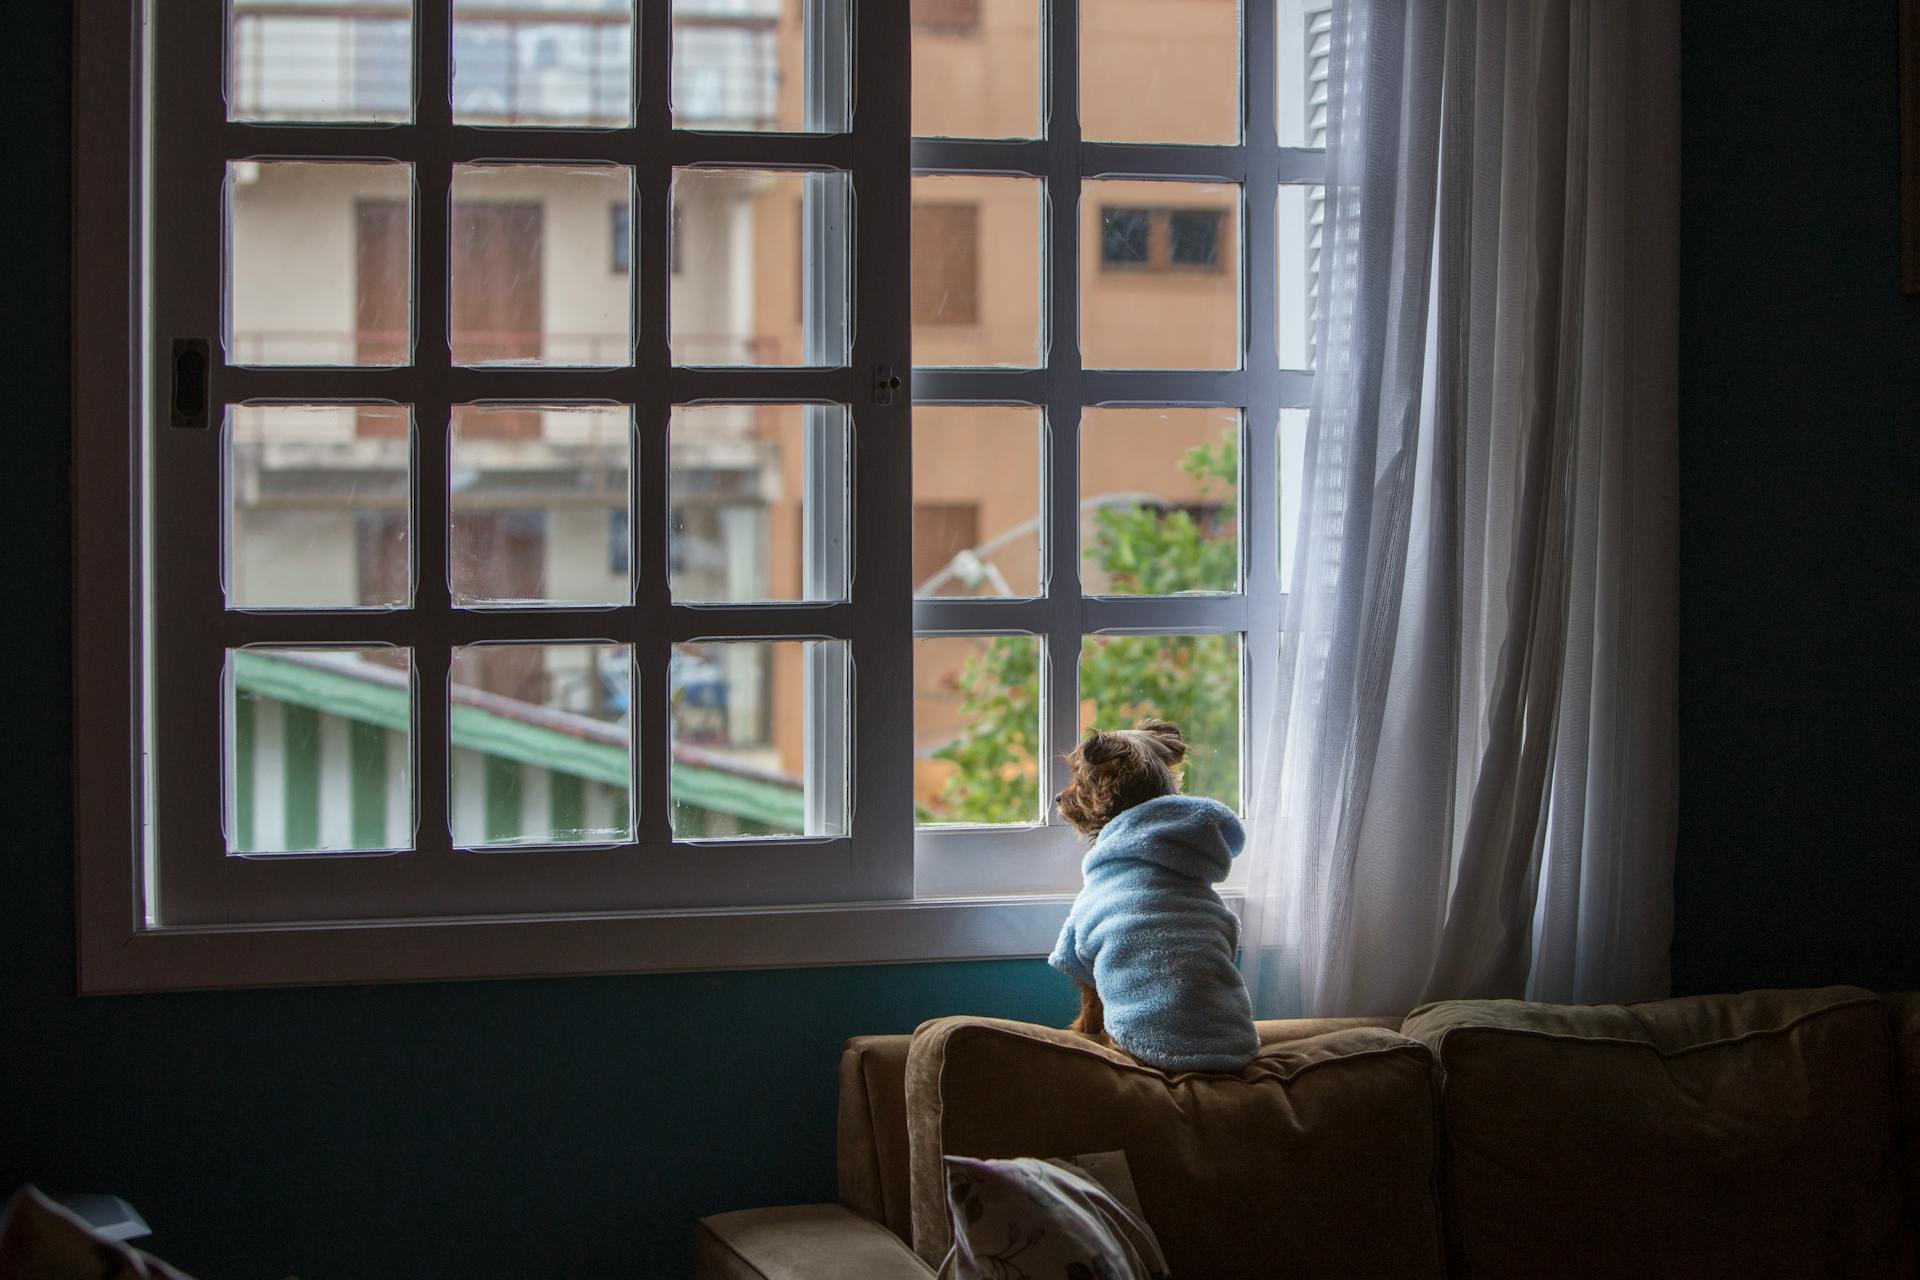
(539, 495)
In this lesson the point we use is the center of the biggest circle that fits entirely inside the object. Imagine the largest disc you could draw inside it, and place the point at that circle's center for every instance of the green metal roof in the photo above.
(754, 800)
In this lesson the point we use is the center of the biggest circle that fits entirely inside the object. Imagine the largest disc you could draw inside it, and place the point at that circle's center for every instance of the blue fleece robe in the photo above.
(1152, 937)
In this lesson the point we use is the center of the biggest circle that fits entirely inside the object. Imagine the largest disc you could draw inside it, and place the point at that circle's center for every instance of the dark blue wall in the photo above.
(1799, 461)
(576, 1127)
(542, 1129)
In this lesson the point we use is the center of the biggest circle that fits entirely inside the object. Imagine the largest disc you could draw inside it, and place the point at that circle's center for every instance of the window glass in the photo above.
(977, 474)
(1159, 275)
(318, 749)
(976, 730)
(761, 273)
(759, 500)
(532, 490)
(319, 263)
(541, 744)
(569, 66)
(976, 68)
(529, 285)
(977, 266)
(319, 506)
(748, 758)
(1160, 71)
(320, 63)
(1159, 501)
(1191, 680)
(760, 66)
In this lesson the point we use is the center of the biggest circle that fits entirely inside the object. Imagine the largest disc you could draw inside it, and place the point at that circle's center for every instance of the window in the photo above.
(507, 614)
(1161, 239)
(955, 17)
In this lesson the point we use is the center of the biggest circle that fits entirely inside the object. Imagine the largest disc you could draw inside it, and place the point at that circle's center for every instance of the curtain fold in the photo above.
(1468, 787)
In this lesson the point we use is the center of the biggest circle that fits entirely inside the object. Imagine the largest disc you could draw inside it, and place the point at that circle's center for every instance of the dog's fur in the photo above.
(1112, 772)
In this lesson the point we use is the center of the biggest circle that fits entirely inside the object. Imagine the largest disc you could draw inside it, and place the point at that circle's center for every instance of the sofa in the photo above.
(1773, 1133)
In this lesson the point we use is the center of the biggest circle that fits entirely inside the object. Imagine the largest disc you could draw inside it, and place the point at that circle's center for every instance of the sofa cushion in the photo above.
(1042, 1220)
(1748, 1136)
(1320, 1154)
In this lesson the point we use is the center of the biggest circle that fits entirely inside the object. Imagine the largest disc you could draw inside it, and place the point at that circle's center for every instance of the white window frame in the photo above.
(883, 893)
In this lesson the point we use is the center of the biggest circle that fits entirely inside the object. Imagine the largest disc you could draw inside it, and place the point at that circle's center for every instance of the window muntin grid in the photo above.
(433, 144)
(469, 578)
(1131, 238)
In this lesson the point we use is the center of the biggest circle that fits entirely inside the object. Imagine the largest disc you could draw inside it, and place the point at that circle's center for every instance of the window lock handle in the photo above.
(192, 365)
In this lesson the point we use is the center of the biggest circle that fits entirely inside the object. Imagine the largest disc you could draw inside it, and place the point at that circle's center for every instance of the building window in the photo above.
(948, 17)
(622, 237)
(1161, 239)
(1193, 238)
(1126, 237)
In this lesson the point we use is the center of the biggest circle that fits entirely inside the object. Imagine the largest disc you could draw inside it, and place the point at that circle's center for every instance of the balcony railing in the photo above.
(514, 62)
(334, 347)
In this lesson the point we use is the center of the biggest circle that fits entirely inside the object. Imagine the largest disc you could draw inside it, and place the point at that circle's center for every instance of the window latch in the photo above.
(885, 383)
(192, 359)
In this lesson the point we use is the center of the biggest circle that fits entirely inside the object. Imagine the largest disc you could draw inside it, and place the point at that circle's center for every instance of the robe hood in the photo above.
(1189, 835)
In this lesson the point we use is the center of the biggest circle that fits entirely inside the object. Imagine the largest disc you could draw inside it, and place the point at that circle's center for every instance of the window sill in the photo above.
(896, 932)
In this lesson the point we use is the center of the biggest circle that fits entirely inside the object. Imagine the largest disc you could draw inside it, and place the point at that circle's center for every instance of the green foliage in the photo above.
(1193, 681)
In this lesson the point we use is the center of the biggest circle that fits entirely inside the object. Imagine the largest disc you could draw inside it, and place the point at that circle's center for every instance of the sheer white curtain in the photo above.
(1468, 789)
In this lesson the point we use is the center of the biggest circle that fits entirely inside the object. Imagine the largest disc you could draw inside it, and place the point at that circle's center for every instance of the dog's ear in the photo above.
(1166, 738)
(1099, 748)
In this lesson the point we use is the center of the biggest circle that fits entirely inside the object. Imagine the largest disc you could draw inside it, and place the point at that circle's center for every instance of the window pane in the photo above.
(1304, 40)
(1159, 501)
(976, 68)
(320, 62)
(1193, 681)
(760, 267)
(976, 271)
(760, 737)
(1293, 451)
(537, 496)
(759, 502)
(571, 65)
(1159, 275)
(319, 263)
(977, 474)
(541, 744)
(319, 750)
(531, 281)
(1302, 210)
(976, 729)
(1160, 71)
(760, 65)
(318, 506)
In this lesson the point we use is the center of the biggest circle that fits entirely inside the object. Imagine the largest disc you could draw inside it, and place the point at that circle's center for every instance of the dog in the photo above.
(1148, 940)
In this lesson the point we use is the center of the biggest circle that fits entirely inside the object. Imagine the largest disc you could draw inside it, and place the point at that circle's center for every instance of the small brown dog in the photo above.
(1113, 772)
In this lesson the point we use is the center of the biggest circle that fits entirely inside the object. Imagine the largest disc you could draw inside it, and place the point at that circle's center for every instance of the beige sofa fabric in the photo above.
(800, 1242)
(1320, 1155)
(873, 1130)
(1738, 1136)
(873, 1115)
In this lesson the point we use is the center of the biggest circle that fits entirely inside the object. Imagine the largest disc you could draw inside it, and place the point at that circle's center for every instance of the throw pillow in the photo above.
(41, 1241)
(1042, 1220)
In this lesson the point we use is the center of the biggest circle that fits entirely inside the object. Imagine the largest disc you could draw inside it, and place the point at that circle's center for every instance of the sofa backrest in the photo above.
(874, 1179)
(1319, 1158)
(1738, 1136)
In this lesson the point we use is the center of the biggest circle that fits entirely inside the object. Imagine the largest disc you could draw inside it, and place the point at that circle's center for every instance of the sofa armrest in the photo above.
(800, 1242)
